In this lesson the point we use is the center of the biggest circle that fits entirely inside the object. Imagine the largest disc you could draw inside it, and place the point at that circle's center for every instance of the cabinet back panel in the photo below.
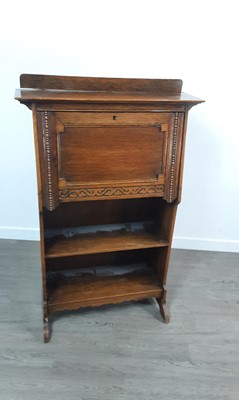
(101, 212)
(102, 259)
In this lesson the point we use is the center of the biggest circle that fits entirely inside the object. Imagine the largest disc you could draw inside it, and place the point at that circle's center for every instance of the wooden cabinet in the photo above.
(109, 156)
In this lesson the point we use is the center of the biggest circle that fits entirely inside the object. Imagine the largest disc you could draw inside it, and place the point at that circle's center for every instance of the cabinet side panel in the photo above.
(166, 221)
(185, 122)
(40, 202)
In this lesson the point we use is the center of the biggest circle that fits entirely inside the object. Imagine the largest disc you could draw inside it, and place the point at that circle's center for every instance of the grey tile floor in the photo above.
(123, 351)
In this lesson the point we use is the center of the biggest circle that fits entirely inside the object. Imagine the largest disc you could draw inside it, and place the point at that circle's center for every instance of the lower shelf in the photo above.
(71, 293)
(92, 240)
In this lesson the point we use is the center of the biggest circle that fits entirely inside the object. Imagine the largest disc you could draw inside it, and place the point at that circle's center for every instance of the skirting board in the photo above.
(206, 244)
(187, 243)
(19, 233)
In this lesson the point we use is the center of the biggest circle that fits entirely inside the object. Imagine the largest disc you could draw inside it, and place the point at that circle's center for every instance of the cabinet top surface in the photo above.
(45, 88)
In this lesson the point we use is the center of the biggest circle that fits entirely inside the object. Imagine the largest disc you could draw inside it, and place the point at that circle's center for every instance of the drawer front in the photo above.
(109, 119)
(90, 156)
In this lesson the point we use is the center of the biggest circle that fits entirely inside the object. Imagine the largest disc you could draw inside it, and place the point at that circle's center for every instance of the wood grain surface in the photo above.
(37, 95)
(105, 154)
(69, 293)
(102, 242)
(100, 84)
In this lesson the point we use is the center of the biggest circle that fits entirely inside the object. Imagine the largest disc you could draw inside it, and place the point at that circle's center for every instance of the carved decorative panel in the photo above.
(111, 192)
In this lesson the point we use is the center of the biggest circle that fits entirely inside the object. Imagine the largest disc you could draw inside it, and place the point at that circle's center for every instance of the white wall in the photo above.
(196, 41)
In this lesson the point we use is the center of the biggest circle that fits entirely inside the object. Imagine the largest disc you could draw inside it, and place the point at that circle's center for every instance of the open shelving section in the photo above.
(111, 238)
(103, 252)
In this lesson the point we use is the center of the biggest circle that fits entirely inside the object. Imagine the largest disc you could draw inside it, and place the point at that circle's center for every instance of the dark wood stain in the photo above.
(102, 242)
(108, 151)
(90, 290)
(111, 150)
(100, 84)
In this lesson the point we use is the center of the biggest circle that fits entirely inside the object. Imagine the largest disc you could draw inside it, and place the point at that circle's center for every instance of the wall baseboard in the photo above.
(207, 244)
(19, 233)
(179, 242)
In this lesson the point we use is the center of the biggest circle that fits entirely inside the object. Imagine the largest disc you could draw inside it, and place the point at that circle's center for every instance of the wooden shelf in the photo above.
(101, 242)
(88, 290)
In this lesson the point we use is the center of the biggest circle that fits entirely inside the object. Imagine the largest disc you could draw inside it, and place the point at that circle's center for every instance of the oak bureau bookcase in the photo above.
(109, 155)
